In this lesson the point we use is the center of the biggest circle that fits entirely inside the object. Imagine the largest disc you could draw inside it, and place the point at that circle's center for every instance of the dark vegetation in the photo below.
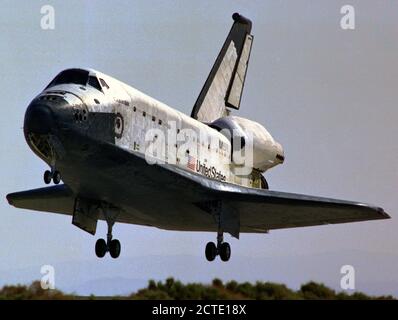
(172, 289)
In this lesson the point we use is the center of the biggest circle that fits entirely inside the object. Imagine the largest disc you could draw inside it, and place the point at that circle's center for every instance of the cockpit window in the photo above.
(103, 83)
(93, 81)
(76, 76)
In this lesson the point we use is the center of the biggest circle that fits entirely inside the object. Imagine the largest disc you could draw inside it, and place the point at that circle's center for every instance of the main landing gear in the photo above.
(222, 249)
(110, 245)
(50, 175)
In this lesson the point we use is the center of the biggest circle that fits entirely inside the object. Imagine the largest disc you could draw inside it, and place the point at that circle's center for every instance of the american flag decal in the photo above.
(191, 163)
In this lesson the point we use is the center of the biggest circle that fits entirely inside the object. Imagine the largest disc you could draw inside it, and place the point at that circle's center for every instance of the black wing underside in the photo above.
(243, 209)
(56, 199)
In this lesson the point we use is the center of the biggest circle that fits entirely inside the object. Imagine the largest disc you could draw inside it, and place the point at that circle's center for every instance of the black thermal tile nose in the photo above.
(38, 119)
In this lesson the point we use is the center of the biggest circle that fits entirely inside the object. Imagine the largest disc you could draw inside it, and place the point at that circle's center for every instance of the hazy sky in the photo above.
(328, 95)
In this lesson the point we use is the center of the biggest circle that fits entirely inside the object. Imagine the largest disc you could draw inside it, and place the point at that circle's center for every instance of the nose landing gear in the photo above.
(50, 175)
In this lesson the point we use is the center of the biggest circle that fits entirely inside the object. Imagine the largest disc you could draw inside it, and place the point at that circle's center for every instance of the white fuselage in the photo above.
(166, 135)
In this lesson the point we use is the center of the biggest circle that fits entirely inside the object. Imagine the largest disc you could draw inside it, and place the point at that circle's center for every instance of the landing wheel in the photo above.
(100, 248)
(110, 245)
(264, 183)
(225, 251)
(47, 176)
(114, 248)
(211, 251)
(57, 177)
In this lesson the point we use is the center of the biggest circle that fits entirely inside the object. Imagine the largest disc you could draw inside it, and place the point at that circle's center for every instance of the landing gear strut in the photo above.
(222, 249)
(50, 175)
(110, 245)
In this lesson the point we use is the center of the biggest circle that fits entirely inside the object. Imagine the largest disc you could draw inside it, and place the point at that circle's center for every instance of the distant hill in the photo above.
(175, 290)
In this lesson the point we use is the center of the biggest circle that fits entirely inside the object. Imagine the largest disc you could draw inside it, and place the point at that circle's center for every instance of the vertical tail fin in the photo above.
(224, 85)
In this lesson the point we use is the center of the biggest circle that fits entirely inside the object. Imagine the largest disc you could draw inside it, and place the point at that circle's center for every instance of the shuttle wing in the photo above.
(224, 85)
(188, 201)
(264, 210)
(260, 210)
(57, 199)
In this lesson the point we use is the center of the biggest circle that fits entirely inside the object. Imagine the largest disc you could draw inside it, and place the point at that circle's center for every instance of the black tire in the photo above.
(264, 183)
(57, 177)
(225, 251)
(100, 248)
(47, 176)
(114, 248)
(211, 251)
